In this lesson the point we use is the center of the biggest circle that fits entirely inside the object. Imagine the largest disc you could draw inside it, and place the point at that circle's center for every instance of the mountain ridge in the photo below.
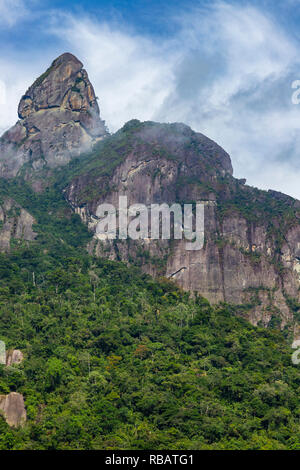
(110, 357)
(252, 244)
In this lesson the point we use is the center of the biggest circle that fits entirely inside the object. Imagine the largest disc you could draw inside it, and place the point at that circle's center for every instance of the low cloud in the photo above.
(242, 66)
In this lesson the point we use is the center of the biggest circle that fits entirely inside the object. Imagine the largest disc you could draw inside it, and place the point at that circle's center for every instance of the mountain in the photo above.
(58, 120)
(101, 355)
(252, 238)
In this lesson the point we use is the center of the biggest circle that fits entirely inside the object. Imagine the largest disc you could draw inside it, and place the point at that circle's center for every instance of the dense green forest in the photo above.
(116, 360)
(111, 358)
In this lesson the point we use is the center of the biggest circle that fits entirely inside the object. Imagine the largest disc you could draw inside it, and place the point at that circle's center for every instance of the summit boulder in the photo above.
(59, 119)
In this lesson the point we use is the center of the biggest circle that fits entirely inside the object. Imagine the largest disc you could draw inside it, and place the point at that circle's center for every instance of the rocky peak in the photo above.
(251, 255)
(59, 119)
(51, 88)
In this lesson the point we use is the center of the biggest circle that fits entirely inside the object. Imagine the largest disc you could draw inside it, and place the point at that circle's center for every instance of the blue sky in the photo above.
(223, 67)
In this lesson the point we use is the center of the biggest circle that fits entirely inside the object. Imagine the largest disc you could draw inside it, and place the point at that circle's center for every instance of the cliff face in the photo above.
(252, 238)
(251, 255)
(58, 119)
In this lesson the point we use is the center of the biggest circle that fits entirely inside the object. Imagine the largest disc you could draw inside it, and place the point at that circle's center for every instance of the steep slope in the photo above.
(58, 119)
(112, 358)
(252, 238)
(115, 359)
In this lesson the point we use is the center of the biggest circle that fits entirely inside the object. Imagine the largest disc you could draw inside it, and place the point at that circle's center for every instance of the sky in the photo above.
(226, 68)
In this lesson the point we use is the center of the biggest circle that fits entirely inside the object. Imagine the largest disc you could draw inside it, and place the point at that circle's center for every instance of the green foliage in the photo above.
(279, 211)
(56, 224)
(116, 360)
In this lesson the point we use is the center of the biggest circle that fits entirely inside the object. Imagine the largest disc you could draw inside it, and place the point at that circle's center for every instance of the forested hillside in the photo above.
(116, 360)
(112, 358)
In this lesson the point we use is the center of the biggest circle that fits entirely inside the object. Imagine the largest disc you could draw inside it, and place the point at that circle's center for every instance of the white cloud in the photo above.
(11, 11)
(227, 73)
(244, 65)
(132, 75)
(16, 77)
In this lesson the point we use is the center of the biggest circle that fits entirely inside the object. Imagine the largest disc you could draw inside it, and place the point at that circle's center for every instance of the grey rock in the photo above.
(15, 222)
(13, 409)
(14, 357)
(58, 119)
(240, 262)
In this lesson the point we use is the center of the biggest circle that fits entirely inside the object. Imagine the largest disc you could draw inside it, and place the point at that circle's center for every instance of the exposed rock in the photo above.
(15, 222)
(58, 119)
(251, 255)
(250, 258)
(13, 409)
(14, 357)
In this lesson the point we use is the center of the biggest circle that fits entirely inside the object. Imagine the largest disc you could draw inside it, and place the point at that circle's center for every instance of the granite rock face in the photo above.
(251, 255)
(14, 357)
(58, 120)
(15, 222)
(12, 406)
